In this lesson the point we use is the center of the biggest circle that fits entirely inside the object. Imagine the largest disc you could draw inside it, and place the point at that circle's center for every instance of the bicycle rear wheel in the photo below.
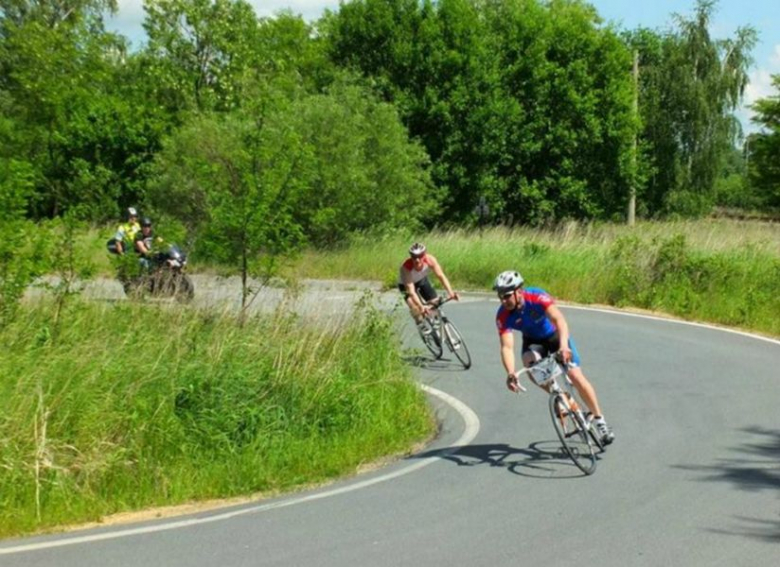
(430, 337)
(573, 435)
(456, 344)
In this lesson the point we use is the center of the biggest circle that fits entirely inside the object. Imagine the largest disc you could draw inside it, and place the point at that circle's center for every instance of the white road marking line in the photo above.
(470, 432)
(677, 321)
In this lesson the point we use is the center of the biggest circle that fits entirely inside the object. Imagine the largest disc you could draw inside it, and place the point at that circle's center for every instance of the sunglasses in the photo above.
(506, 295)
(417, 257)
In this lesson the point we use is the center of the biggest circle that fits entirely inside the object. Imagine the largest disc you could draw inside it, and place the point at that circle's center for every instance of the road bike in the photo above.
(436, 330)
(574, 427)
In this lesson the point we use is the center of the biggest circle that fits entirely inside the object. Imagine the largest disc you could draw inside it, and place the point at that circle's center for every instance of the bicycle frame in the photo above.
(581, 442)
(445, 333)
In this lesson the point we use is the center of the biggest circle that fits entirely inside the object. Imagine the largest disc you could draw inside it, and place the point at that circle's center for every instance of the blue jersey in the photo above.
(532, 320)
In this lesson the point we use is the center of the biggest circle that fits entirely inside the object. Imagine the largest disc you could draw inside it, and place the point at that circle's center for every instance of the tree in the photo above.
(231, 178)
(199, 50)
(22, 252)
(765, 148)
(362, 174)
(523, 103)
(53, 13)
(690, 86)
(68, 87)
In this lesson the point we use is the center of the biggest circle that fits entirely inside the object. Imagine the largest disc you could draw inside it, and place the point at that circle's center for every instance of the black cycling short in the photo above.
(423, 288)
(549, 345)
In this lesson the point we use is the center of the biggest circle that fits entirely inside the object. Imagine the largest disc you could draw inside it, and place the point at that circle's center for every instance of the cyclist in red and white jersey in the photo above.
(413, 280)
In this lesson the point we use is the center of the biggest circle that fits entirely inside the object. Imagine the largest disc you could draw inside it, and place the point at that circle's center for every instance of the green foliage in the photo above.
(67, 262)
(523, 103)
(764, 148)
(718, 271)
(77, 120)
(233, 180)
(690, 84)
(199, 51)
(251, 185)
(362, 174)
(203, 409)
(22, 246)
(666, 274)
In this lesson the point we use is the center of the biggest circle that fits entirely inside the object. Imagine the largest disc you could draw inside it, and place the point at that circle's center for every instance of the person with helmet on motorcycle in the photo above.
(125, 233)
(143, 243)
(414, 284)
(544, 329)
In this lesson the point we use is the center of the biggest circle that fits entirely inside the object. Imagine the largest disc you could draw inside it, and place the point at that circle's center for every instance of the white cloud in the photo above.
(760, 86)
(760, 79)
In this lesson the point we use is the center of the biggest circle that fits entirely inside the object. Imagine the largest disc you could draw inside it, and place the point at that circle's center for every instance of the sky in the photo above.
(763, 15)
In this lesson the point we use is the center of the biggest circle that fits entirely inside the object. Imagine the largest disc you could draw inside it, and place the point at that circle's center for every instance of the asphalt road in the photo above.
(693, 478)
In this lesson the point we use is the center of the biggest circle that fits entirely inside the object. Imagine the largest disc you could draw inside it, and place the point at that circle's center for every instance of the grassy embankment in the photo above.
(133, 406)
(720, 271)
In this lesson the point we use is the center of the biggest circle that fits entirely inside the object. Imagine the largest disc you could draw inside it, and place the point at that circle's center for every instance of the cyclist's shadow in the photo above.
(541, 459)
(428, 362)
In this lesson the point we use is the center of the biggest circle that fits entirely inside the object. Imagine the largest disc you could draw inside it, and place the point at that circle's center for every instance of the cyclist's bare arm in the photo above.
(508, 360)
(560, 323)
(436, 267)
(142, 248)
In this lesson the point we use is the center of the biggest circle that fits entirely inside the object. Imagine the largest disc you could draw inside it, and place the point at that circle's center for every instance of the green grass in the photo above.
(720, 271)
(137, 406)
(129, 406)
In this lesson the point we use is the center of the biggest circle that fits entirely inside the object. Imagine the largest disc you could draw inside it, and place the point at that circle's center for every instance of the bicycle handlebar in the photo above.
(438, 302)
(543, 363)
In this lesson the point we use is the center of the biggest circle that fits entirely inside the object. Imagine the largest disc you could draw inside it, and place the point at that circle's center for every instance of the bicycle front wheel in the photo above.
(430, 337)
(573, 435)
(456, 344)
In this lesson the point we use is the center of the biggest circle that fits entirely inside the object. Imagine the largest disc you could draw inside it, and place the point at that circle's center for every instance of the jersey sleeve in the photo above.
(502, 321)
(540, 297)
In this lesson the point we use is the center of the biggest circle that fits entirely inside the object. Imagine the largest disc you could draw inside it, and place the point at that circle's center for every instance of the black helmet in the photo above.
(146, 221)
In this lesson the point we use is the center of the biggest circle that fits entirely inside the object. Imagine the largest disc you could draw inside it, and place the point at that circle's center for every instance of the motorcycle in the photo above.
(162, 277)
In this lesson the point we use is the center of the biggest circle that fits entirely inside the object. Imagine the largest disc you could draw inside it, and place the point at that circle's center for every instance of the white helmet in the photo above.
(417, 249)
(508, 281)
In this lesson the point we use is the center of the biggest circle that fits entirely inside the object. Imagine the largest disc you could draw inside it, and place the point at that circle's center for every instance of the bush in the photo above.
(134, 406)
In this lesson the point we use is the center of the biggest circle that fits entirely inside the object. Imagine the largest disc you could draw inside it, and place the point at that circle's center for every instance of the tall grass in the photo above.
(721, 271)
(137, 406)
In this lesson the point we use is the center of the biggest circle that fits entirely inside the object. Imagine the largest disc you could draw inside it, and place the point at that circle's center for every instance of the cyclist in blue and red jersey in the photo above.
(414, 284)
(544, 329)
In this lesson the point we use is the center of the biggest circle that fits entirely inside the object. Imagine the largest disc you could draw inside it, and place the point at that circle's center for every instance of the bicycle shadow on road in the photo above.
(428, 362)
(541, 459)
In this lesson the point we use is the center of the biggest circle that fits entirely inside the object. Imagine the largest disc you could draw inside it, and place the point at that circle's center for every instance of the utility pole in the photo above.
(632, 189)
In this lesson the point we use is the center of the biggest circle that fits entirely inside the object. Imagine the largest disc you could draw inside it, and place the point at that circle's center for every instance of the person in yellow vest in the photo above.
(124, 237)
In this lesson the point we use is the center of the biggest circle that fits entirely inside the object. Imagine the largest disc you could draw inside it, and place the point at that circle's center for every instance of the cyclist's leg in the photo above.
(588, 394)
(413, 311)
(425, 290)
(581, 383)
(585, 389)
(533, 352)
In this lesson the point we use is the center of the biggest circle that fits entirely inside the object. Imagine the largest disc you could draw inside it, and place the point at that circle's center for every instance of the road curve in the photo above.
(693, 478)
